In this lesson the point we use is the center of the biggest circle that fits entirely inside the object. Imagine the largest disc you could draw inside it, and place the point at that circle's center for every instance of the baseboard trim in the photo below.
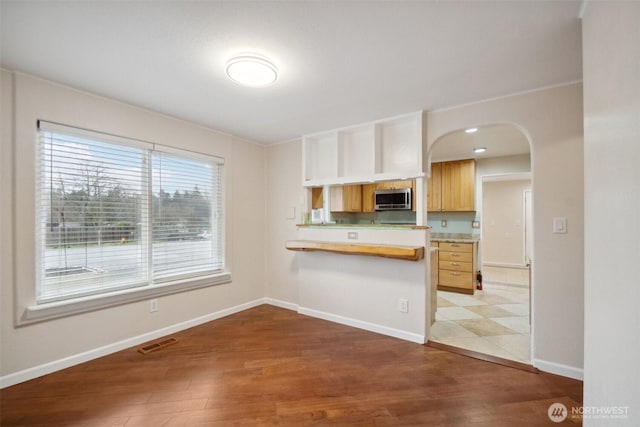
(56, 365)
(559, 369)
(360, 324)
(282, 304)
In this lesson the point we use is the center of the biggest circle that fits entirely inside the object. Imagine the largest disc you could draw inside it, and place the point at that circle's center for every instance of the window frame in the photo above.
(36, 312)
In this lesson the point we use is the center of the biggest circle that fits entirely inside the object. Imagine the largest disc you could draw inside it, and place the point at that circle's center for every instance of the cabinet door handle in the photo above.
(455, 263)
(454, 254)
(455, 273)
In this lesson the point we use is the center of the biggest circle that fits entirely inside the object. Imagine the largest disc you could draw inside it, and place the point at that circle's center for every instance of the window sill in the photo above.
(53, 310)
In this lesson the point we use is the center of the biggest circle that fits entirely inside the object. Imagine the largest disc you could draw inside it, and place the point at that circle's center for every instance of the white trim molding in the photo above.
(53, 310)
(56, 365)
(372, 327)
(559, 369)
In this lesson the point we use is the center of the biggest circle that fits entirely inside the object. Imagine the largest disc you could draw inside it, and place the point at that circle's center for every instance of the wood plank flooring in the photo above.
(269, 366)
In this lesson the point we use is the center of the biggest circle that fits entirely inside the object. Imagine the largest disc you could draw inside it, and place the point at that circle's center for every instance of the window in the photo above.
(115, 214)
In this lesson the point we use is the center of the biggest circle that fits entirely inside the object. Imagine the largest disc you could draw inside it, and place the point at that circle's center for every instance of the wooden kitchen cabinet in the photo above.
(392, 185)
(346, 198)
(456, 185)
(434, 283)
(316, 198)
(457, 266)
(434, 188)
(368, 202)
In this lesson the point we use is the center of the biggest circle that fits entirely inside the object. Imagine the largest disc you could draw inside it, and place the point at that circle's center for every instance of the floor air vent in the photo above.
(158, 345)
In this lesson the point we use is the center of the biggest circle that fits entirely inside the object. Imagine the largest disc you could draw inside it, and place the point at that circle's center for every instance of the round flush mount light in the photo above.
(251, 70)
(480, 149)
(471, 130)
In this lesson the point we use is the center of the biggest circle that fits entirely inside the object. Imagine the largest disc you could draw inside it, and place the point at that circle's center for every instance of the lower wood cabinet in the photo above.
(457, 267)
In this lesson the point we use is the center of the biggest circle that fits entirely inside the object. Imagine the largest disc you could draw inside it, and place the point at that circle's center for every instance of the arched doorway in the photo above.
(496, 319)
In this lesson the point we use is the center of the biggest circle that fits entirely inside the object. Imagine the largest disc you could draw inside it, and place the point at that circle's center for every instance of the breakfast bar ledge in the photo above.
(409, 253)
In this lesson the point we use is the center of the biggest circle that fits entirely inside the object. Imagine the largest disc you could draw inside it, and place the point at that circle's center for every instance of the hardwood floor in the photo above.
(269, 366)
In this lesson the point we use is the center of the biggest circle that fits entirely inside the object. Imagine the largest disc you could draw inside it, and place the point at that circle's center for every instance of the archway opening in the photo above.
(492, 314)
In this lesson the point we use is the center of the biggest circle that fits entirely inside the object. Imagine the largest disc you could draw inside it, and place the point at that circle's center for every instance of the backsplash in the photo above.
(384, 217)
(457, 222)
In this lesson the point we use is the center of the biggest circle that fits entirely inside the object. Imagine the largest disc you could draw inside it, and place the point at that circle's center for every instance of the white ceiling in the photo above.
(341, 62)
(499, 140)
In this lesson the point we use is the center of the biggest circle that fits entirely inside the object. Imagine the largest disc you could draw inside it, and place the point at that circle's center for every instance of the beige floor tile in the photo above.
(462, 300)
(456, 313)
(489, 311)
(442, 302)
(493, 321)
(518, 345)
(517, 309)
(480, 345)
(445, 329)
(494, 299)
(519, 324)
(484, 327)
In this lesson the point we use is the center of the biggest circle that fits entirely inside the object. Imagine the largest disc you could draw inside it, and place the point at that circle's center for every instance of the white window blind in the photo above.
(187, 214)
(115, 213)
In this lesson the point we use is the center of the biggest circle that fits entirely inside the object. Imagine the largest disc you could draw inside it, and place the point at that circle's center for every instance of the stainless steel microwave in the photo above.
(393, 200)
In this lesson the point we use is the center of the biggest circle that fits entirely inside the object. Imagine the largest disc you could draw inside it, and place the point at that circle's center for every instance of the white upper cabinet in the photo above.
(388, 149)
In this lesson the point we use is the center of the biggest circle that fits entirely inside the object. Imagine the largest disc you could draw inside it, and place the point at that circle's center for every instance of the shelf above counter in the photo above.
(384, 150)
(409, 253)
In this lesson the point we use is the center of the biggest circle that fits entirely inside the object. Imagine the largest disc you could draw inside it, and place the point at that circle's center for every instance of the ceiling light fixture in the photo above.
(471, 130)
(480, 150)
(251, 70)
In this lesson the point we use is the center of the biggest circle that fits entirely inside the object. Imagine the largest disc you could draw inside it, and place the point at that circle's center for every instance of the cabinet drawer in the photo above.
(455, 279)
(456, 266)
(456, 247)
(455, 256)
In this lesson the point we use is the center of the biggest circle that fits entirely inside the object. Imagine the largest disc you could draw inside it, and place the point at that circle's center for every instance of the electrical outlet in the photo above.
(403, 305)
(475, 224)
(153, 305)
(443, 223)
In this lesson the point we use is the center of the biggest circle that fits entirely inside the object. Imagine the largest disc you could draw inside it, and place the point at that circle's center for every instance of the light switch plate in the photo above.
(443, 223)
(475, 224)
(559, 225)
(291, 212)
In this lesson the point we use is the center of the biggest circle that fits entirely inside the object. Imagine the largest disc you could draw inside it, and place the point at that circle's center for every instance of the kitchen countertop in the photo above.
(370, 226)
(455, 237)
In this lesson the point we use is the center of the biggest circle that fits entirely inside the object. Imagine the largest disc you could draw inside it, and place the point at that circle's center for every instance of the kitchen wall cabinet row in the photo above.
(356, 197)
(451, 187)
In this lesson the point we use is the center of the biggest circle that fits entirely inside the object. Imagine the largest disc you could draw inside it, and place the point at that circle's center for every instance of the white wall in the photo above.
(55, 343)
(611, 52)
(552, 119)
(284, 190)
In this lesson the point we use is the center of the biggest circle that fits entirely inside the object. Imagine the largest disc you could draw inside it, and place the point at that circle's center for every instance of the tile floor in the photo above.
(494, 321)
